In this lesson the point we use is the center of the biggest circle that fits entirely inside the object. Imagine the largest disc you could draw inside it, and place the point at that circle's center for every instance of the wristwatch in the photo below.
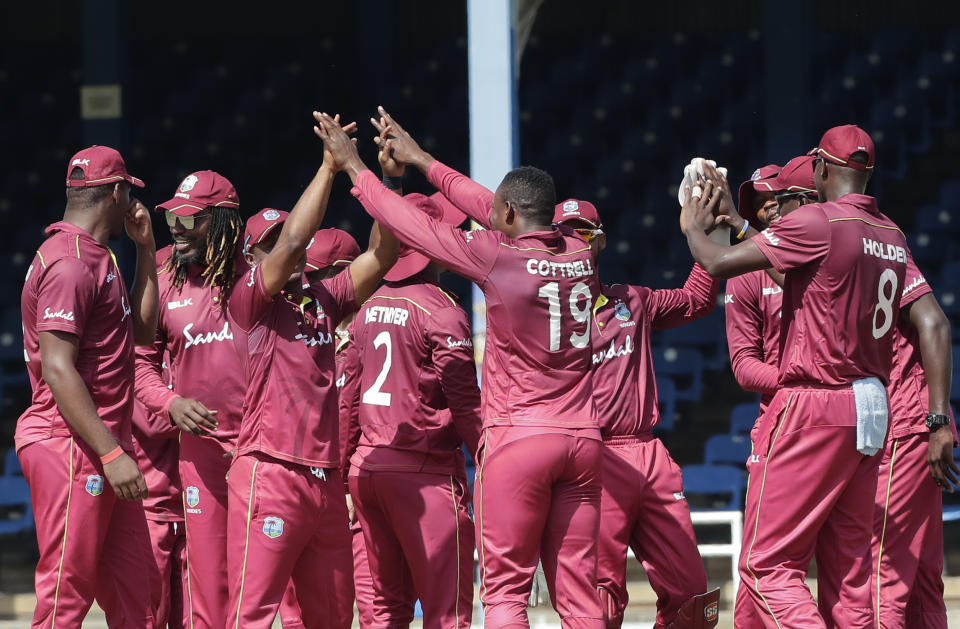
(934, 421)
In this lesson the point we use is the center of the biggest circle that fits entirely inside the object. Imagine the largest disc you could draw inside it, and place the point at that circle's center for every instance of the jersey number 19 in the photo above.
(551, 292)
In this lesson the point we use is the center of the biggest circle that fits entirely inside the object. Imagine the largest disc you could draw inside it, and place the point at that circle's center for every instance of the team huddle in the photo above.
(274, 420)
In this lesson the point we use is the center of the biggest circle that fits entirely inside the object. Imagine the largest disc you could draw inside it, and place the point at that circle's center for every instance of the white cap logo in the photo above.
(80, 162)
(755, 175)
(571, 208)
(271, 215)
(188, 183)
(310, 244)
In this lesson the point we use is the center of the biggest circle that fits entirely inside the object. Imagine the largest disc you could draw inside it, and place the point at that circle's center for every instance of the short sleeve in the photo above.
(65, 296)
(249, 299)
(800, 238)
(340, 289)
(915, 284)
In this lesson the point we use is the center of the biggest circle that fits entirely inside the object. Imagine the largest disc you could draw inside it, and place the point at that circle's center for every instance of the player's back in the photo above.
(840, 310)
(537, 359)
(402, 402)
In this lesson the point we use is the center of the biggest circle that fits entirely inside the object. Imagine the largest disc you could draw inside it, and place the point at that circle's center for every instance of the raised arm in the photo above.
(303, 222)
(371, 265)
(696, 217)
(676, 306)
(145, 294)
(473, 199)
(468, 254)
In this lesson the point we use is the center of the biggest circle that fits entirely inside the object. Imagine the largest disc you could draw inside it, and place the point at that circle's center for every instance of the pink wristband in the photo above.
(111, 456)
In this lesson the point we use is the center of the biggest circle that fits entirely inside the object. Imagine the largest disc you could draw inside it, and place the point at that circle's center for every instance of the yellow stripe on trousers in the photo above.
(883, 531)
(456, 523)
(63, 545)
(246, 543)
(756, 525)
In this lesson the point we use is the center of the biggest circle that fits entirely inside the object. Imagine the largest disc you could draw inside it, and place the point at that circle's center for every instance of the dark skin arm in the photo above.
(727, 213)
(144, 296)
(697, 217)
(933, 329)
(58, 354)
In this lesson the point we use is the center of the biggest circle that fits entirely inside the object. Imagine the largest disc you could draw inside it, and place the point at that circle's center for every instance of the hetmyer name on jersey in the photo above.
(884, 251)
(387, 314)
(546, 268)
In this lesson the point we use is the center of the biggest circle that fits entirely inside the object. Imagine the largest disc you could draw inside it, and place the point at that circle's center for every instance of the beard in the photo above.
(197, 257)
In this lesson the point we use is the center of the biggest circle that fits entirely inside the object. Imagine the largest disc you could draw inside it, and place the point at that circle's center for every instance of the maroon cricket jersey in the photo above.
(73, 285)
(845, 264)
(624, 382)
(539, 290)
(753, 305)
(194, 329)
(419, 399)
(287, 353)
(347, 361)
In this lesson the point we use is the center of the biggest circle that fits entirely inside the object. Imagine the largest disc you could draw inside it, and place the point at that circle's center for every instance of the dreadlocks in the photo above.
(226, 227)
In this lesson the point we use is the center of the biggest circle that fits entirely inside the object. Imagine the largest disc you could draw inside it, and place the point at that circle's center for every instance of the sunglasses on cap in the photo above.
(589, 234)
(186, 221)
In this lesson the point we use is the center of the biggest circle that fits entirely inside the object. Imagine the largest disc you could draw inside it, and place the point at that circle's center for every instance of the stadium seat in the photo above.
(15, 505)
(667, 396)
(732, 449)
(685, 364)
(743, 417)
(714, 486)
(706, 334)
(955, 383)
(11, 463)
(937, 218)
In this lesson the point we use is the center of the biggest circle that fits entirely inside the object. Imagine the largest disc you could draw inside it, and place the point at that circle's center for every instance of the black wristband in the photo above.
(394, 183)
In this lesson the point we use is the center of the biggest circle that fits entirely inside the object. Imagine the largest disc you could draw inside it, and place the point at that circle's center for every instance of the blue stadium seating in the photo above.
(11, 463)
(684, 364)
(731, 449)
(721, 485)
(15, 501)
(706, 334)
(743, 417)
(667, 396)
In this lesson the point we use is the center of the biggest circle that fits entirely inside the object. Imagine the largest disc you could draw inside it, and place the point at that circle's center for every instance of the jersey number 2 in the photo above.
(551, 292)
(374, 395)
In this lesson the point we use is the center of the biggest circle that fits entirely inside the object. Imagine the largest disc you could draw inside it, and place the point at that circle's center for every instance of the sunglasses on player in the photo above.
(589, 234)
(784, 198)
(186, 221)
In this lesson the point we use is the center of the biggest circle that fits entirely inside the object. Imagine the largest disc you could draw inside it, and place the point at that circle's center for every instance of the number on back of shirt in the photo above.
(578, 304)
(883, 312)
(374, 395)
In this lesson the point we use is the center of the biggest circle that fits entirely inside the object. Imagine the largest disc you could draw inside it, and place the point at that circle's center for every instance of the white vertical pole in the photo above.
(494, 148)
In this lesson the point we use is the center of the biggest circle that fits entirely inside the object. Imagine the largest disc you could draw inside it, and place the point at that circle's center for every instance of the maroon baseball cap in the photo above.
(261, 224)
(331, 247)
(796, 176)
(437, 207)
(199, 191)
(840, 143)
(761, 180)
(100, 165)
(577, 210)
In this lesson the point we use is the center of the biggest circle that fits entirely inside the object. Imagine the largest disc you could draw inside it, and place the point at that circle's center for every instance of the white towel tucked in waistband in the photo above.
(872, 415)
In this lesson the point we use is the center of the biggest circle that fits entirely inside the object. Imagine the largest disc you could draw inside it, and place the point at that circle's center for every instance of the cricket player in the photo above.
(287, 513)
(80, 326)
(329, 253)
(917, 462)
(814, 467)
(207, 390)
(156, 443)
(539, 485)
(642, 503)
(419, 404)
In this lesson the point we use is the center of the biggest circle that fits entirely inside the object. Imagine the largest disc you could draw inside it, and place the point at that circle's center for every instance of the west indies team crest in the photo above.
(273, 527)
(193, 496)
(94, 485)
(621, 311)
